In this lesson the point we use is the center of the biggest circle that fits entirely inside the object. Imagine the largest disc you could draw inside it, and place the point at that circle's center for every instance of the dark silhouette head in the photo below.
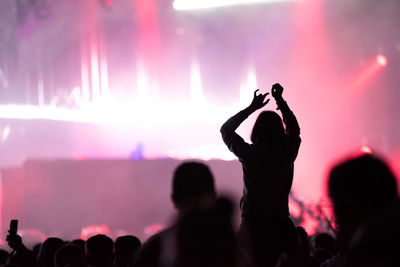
(360, 188)
(205, 237)
(322, 247)
(323, 241)
(377, 242)
(99, 251)
(68, 254)
(268, 128)
(303, 239)
(3, 256)
(47, 251)
(193, 186)
(125, 248)
(36, 249)
(80, 243)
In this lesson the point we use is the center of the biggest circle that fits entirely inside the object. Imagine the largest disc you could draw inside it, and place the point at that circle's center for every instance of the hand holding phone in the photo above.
(13, 239)
(13, 227)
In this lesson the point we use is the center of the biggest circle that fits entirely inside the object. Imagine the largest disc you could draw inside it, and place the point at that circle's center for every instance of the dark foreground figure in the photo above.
(193, 191)
(364, 196)
(268, 163)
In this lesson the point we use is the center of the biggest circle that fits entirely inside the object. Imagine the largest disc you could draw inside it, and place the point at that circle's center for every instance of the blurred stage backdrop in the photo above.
(101, 99)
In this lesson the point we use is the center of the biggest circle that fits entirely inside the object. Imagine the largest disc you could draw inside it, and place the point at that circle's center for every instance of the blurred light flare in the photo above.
(196, 90)
(247, 89)
(381, 60)
(93, 230)
(141, 113)
(204, 4)
(109, 3)
(368, 72)
(5, 133)
(153, 229)
(365, 149)
(94, 63)
(84, 74)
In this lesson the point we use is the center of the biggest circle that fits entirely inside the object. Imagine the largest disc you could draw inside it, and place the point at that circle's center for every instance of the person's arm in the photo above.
(292, 126)
(234, 142)
(20, 255)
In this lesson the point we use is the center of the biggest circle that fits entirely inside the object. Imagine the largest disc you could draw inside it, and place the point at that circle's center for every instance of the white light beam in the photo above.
(203, 4)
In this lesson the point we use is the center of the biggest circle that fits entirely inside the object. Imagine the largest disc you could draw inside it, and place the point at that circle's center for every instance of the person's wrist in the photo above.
(251, 109)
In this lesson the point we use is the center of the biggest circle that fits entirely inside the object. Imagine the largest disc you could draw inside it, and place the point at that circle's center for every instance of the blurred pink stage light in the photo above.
(375, 65)
(381, 60)
(365, 149)
(202, 4)
(93, 230)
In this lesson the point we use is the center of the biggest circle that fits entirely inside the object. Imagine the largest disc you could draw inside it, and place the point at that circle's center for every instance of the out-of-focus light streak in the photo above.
(368, 72)
(247, 89)
(94, 63)
(84, 75)
(3, 79)
(40, 92)
(104, 78)
(142, 81)
(5, 133)
(196, 90)
(148, 38)
(141, 113)
(203, 4)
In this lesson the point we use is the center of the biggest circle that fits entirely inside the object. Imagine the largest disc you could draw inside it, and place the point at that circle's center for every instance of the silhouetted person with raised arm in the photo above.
(192, 189)
(268, 165)
(21, 255)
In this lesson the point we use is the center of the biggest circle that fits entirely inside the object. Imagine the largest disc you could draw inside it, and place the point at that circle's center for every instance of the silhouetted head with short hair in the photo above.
(323, 241)
(80, 243)
(47, 251)
(3, 256)
(68, 254)
(205, 237)
(360, 188)
(193, 186)
(99, 251)
(268, 128)
(125, 248)
(322, 247)
(36, 248)
(376, 243)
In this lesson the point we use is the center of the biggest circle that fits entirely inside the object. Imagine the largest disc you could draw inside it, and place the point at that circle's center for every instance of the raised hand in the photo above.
(14, 241)
(277, 90)
(258, 100)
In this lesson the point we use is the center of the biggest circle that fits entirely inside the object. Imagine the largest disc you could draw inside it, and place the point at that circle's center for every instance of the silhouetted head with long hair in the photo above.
(268, 128)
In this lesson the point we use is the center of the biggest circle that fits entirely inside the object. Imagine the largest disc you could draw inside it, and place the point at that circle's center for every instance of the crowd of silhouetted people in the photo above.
(362, 189)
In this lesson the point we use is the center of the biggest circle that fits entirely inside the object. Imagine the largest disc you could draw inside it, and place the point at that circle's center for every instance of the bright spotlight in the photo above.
(381, 59)
(365, 149)
(201, 4)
